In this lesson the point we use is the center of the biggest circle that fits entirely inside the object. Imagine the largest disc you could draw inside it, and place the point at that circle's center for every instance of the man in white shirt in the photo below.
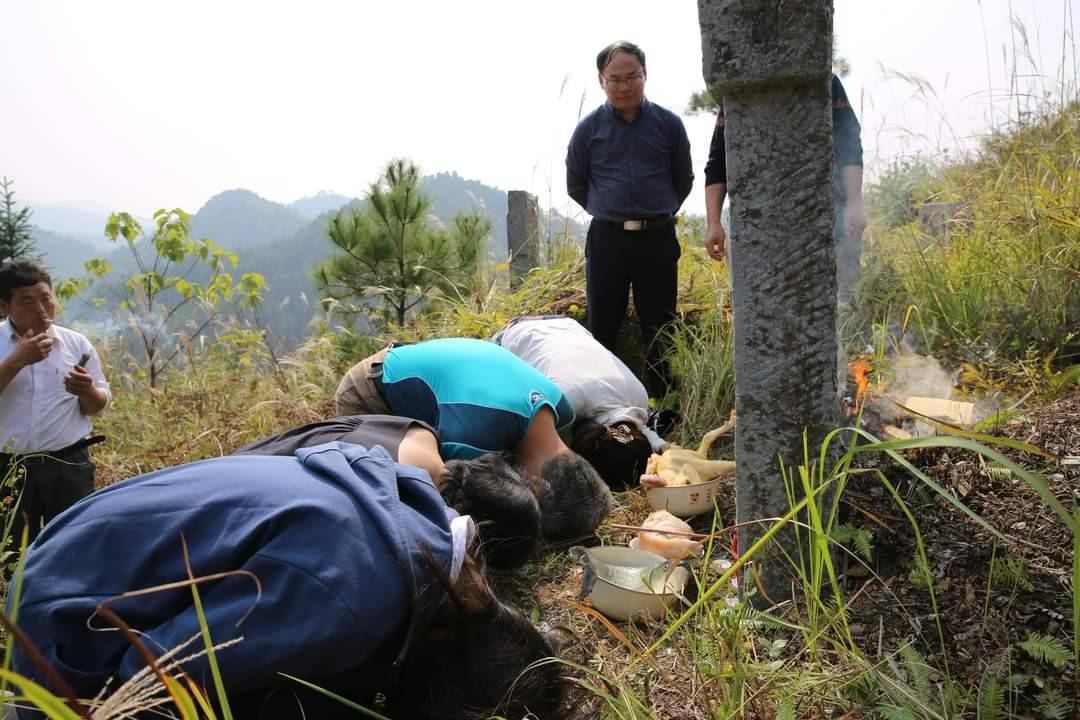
(50, 383)
(609, 402)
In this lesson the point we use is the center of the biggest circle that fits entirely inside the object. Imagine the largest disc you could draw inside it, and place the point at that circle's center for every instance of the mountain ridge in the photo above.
(284, 242)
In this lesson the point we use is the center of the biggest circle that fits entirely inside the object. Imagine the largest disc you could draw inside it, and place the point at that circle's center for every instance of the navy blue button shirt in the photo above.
(619, 170)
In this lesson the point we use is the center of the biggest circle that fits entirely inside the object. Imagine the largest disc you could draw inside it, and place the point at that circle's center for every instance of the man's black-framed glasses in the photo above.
(628, 80)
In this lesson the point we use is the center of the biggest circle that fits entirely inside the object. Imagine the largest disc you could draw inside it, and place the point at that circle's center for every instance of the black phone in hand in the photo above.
(83, 360)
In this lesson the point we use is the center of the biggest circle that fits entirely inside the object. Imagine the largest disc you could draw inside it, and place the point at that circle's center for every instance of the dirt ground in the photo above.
(981, 620)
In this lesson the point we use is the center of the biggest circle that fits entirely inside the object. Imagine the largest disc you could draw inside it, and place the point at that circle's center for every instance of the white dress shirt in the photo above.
(598, 384)
(37, 414)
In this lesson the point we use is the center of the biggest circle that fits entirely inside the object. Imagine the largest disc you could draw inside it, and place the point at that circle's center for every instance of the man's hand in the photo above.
(715, 241)
(715, 237)
(854, 220)
(79, 382)
(31, 348)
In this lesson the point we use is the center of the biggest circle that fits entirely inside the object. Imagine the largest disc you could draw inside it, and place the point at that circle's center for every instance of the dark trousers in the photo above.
(848, 258)
(39, 486)
(646, 261)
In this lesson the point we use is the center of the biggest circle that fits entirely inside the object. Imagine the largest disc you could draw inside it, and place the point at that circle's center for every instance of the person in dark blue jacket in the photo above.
(364, 586)
(481, 399)
(489, 489)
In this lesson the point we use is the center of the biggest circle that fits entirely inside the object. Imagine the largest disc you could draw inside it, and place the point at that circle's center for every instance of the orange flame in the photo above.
(859, 369)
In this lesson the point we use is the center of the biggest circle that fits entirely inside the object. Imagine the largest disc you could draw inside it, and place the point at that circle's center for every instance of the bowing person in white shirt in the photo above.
(51, 382)
(610, 403)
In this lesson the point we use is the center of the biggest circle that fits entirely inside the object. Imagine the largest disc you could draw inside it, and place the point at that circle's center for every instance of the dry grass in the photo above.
(212, 408)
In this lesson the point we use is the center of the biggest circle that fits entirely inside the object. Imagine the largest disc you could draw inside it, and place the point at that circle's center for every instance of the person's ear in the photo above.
(5, 308)
(600, 79)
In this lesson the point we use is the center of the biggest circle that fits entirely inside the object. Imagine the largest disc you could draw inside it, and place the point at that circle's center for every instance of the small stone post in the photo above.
(522, 234)
(770, 62)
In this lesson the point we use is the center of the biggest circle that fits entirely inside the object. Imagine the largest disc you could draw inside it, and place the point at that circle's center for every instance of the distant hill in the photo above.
(292, 300)
(450, 194)
(287, 264)
(63, 255)
(87, 226)
(240, 218)
(319, 203)
(285, 242)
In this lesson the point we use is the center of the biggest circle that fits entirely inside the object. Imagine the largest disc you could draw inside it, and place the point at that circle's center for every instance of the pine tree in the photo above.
(390, 250)
(15, 239)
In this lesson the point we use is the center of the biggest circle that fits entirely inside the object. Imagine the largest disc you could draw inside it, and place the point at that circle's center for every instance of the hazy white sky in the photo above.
(140, 105)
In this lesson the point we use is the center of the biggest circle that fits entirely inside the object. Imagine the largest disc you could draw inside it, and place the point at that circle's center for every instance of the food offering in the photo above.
(685, 481)
(628, 584)
(665, 535)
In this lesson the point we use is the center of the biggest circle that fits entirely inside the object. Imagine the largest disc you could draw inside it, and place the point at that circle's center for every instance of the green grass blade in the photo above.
(53, 707)
(182, 698)
(201, 699)
(1076, 595)
(13, 603)
(724, 579)
(1033, 480)
(334, 696)
(204, 628)
(978, 436)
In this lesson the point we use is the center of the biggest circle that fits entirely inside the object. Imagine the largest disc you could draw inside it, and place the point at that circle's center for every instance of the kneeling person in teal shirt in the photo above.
(482, 398)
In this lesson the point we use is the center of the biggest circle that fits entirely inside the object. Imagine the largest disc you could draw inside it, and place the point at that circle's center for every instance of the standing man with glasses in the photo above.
(628, 165)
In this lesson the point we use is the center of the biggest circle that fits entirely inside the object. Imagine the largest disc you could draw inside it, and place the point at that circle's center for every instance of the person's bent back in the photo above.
(489, 489)
(610, 403)
(481, 398)
(363, 584)
(478, 397)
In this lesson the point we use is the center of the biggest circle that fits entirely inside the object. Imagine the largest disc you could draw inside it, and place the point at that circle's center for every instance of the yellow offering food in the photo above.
(684, 466)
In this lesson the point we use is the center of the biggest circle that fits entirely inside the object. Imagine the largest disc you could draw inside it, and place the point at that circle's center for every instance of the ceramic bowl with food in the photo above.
(685, 500)
(624, 583)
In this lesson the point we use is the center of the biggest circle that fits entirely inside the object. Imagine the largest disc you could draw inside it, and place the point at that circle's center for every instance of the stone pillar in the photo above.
(522, 234)
(770, 62)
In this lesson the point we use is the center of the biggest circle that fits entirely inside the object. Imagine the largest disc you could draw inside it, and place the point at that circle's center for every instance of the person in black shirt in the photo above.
(850, 219)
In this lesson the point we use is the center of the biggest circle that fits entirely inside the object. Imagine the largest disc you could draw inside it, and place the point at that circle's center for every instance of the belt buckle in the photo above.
(633, 225)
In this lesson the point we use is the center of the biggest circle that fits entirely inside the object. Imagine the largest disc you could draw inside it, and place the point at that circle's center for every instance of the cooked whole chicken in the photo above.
(683, 466)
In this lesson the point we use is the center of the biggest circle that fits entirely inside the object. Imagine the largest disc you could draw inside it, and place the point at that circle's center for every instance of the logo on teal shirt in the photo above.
(535, 396)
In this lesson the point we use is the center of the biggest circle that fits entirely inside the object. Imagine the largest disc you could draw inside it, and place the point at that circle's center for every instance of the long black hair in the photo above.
(480, 658)
(474, 658)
